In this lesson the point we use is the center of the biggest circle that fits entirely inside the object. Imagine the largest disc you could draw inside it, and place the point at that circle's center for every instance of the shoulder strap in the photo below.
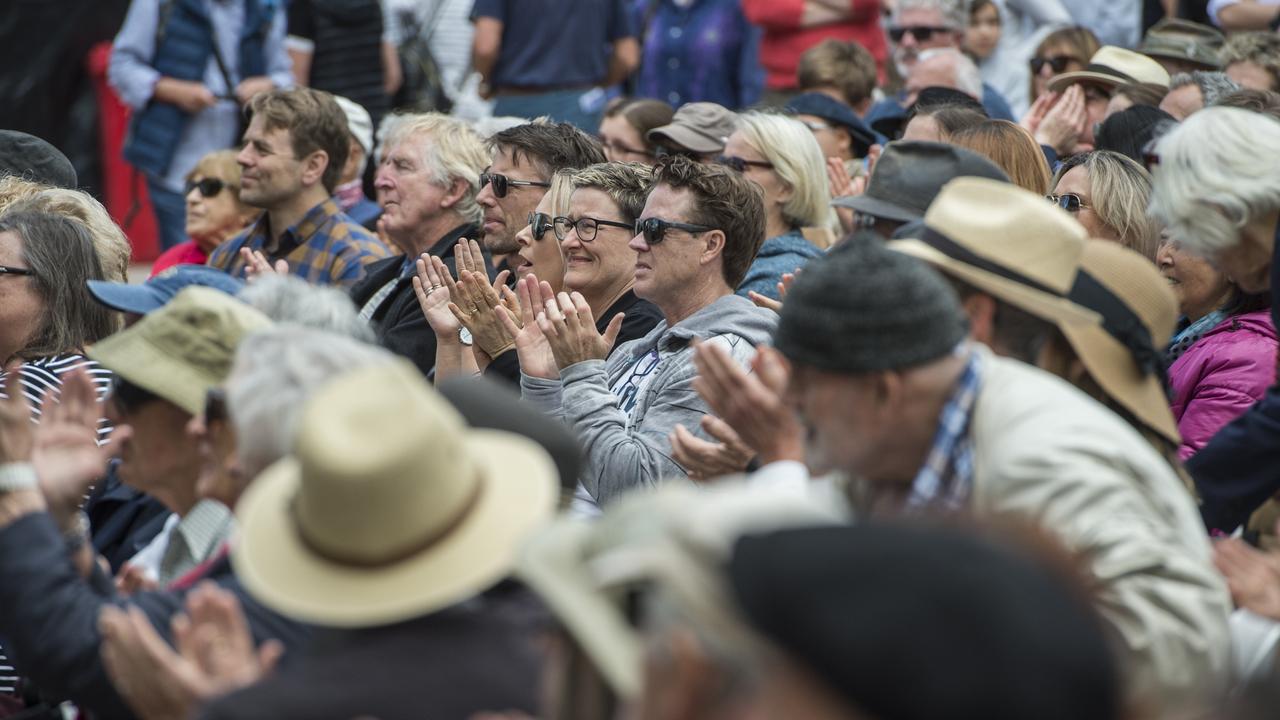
(162, 25)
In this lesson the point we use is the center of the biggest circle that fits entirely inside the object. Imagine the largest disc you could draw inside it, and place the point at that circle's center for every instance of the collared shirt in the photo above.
(947, 475)
(185, 542)
(325, 248)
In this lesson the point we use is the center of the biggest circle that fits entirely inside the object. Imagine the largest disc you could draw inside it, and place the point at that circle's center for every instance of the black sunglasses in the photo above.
(1057, 63)
(655, 229)
(129, 397)
(587, 227)
(208, 187)
(539, 223)
(741, 164)
(215, 405)
(1069, 202)
(502, 183)
(7, 270)
(922, 33)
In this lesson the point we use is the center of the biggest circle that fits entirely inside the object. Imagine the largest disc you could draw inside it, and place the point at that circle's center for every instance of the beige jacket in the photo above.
(1045, 452)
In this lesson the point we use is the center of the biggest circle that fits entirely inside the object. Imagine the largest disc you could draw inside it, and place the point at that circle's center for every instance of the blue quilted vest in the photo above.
(183, 50)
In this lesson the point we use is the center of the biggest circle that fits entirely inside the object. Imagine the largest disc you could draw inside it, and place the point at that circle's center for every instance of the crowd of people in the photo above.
(753, 360)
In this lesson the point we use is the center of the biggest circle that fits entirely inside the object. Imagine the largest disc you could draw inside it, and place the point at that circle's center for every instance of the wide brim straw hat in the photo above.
(1113, 66)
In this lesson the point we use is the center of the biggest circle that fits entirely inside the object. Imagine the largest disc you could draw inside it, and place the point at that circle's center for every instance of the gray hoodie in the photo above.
(630, 451)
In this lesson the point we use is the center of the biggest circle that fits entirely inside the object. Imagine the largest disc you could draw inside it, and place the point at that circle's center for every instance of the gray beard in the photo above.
(501, 244)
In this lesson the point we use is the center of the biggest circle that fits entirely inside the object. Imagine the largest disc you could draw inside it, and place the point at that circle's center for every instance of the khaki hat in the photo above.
(390, 506)
(702, 127)
(677, 536)
(1113, 66)
(1125, 353)
(1005, 241)
(1186, 41)
(181, 350)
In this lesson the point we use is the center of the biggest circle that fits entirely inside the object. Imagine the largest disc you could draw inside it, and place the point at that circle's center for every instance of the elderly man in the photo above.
(294, 153)
(1089, 91)
(427, 184)
(944, 67)
(1194, 91)
(701, 228)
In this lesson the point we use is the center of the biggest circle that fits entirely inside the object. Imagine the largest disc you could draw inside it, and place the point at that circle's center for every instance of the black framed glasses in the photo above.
(539, 224)
(1057, 63)
(655, 229)
(208, 187)
(618, 147)
(741, 164)
(1070, 202)
(586, 227)
(215, 405)
(7, 270)
(502, 183)
(129, 397)
(922, 33)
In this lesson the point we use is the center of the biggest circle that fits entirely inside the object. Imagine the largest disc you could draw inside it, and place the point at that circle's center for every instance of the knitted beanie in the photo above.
(864, 308)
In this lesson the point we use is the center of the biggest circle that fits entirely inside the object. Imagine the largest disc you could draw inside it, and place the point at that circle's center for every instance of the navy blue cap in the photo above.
(154, 293)
(834, 111)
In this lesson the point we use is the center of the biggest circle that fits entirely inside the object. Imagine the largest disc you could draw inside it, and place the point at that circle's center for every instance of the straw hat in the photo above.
(1125, 353)
(390, 507)
(1114, 66)
(1005, 241)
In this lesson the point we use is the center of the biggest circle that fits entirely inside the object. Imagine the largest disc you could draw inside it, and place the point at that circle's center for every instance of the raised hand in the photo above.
(17, 438)
(1253, 576)
(66, 454)
(476, 310)
(706, 460)
(750, 403)
(431, 286)
(769, 303)
(570, 329)
(536, 357)
(1065, 123)
(257, 265)
(1031, 121)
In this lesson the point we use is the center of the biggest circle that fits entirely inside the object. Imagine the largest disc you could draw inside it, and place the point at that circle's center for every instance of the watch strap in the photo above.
(18, 476)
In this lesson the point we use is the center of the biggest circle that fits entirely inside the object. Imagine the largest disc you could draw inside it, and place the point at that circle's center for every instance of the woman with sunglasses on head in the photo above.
(625, 128)
(214, 211)
(780, 155)
(1108, 193)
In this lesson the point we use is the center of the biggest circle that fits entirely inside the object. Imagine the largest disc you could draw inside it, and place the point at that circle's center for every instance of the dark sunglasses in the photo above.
(655, 229)
(741, 164)
(922, 33)
(129, 397)
(502, 183)
(586, 227)
(539, 223)
(215, 405)
(1069, 202)
(208, 187)
(1057, 63)
(7, 270)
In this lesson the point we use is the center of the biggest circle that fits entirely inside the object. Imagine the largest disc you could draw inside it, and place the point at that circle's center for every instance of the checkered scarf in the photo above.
(947, 475)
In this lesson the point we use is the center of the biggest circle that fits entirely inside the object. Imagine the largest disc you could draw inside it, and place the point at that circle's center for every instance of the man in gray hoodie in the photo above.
(701, 228)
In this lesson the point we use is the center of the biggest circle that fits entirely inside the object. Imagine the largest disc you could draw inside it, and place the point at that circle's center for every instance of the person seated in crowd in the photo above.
(427, 185)
(25, 156)
(936, 121)
(1252, 59)
(1183, 46)
(1191, 92)
(840, 133)
(1011, 148)
(350, 190)
(214, 211)
(943, 67)
(698, 130)
(545, 260)
(293, 154)
(780, 155)
(1135, 94)
(1062, 51)
(1265, 102)
(982, 36)
(889, 391)
(700, 230)
(1223, 357)
(625, 127)
(1130, 132)
(109, 241)
(1108, 194)
(1222, 204)
(844, 71)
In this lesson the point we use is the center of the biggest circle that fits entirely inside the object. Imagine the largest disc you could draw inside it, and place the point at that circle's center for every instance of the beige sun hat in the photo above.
(1005, 241)
(1114, 66)
(390, 506)
(702, 127)
(1125, 353)
(181, 350)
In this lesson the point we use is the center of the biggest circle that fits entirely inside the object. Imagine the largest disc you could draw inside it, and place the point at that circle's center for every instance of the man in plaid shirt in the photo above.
(293, 152)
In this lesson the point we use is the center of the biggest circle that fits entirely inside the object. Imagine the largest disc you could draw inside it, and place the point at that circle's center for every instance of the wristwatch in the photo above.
(17, 476)
(464, 337)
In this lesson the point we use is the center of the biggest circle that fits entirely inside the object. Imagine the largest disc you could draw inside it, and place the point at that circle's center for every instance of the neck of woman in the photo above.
(604, 298)
(776, 225)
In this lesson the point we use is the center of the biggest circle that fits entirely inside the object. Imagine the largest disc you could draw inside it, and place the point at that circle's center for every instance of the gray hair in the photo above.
(274, 373)
(953, 11)
(454, 151)
(797, 159)
(968, 78)
(290, 299)
(1210, 181)
(1121, 192)
(1213, 85)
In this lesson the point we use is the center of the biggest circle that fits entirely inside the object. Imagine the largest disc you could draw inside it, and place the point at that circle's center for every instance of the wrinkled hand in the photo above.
(17, 435)
(252, 86)
(1065, 123)
(751, 403)
(257, 265)
(133, 579)
(536, 358)
(769, 303)
(570, 329)
(705, 460)
(477, 309)
(66, 454)
(431, 285)
(1253, 576)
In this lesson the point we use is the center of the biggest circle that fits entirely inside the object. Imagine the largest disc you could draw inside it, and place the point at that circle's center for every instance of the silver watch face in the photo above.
(464, 336)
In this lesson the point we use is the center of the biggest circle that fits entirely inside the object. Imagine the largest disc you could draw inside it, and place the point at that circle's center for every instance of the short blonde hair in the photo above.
(797, 159)
(626, 184)
(109, 241)
(1121, 191)
(455, 151)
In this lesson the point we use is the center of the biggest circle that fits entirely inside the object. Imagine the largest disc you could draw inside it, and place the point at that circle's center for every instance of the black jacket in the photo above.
(399, 322)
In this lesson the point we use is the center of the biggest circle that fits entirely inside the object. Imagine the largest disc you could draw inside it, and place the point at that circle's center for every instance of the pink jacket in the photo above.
(1221, 376)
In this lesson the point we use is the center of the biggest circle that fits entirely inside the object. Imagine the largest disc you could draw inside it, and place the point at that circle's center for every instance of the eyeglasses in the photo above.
(215, 405)
(815, 125)
(741, 164)
(655, 229)
(6, 270)
(540, 223)
(587, 227)
(922, 33)
(502, 183)
(1069, 202)
(129, 397)
(1057, 63)
(208, 187)
(620, 148)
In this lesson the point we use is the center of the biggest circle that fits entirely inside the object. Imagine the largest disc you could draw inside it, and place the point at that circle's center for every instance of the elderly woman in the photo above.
(1108, 193)
(780, 155)
(214, 211)
(109, 241)
(1218, 200)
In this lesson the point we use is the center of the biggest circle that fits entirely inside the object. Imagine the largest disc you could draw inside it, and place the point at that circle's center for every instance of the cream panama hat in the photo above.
(1005, 241)
(390, 506)
(1112, 66)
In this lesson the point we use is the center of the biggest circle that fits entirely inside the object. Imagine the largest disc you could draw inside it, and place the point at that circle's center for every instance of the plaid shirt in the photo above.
(947, 475)
(325, 248)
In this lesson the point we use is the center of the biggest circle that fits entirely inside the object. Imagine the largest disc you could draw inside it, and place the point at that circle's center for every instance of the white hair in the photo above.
(797, 159)
(274, 373)
(288, 299)
(968, 79)
(1213, 177)
(453, 151)
(1213, 85)
(953, 12)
